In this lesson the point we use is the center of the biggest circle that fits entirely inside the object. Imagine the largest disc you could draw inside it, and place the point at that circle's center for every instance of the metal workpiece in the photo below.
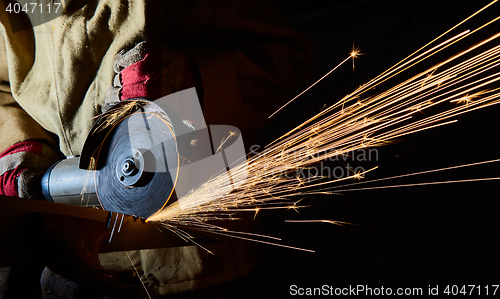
(35, 230)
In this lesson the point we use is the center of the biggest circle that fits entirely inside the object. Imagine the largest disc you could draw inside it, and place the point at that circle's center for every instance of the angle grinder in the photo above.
(138, 157)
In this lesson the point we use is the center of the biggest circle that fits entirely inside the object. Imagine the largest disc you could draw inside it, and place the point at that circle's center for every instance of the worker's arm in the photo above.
(250, 63)
(242, 57)
(26, 151)
(25, 147)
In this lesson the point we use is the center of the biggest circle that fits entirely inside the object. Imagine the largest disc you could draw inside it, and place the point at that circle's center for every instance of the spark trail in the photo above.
(354, 53)
(461, 83)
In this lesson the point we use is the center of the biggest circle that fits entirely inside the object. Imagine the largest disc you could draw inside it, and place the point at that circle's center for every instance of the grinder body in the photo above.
(64, 182)
(128, 164)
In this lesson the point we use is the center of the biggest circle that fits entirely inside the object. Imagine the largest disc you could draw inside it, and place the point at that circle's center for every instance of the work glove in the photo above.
(150, 71)
(22, 166)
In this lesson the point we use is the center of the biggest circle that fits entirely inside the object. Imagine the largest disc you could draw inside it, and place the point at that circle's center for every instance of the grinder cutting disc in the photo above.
(140, 163)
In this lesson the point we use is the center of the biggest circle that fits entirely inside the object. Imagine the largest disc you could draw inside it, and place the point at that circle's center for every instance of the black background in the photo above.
(404, 237)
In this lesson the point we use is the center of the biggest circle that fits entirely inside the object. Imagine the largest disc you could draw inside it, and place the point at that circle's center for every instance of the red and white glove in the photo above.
(150, 71)
(22, 166)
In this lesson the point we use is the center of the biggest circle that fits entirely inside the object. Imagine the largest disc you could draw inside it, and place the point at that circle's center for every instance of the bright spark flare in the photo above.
(355, 53)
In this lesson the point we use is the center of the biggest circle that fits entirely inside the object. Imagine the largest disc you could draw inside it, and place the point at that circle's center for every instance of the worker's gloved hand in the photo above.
(22, 166)
(150, 71)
